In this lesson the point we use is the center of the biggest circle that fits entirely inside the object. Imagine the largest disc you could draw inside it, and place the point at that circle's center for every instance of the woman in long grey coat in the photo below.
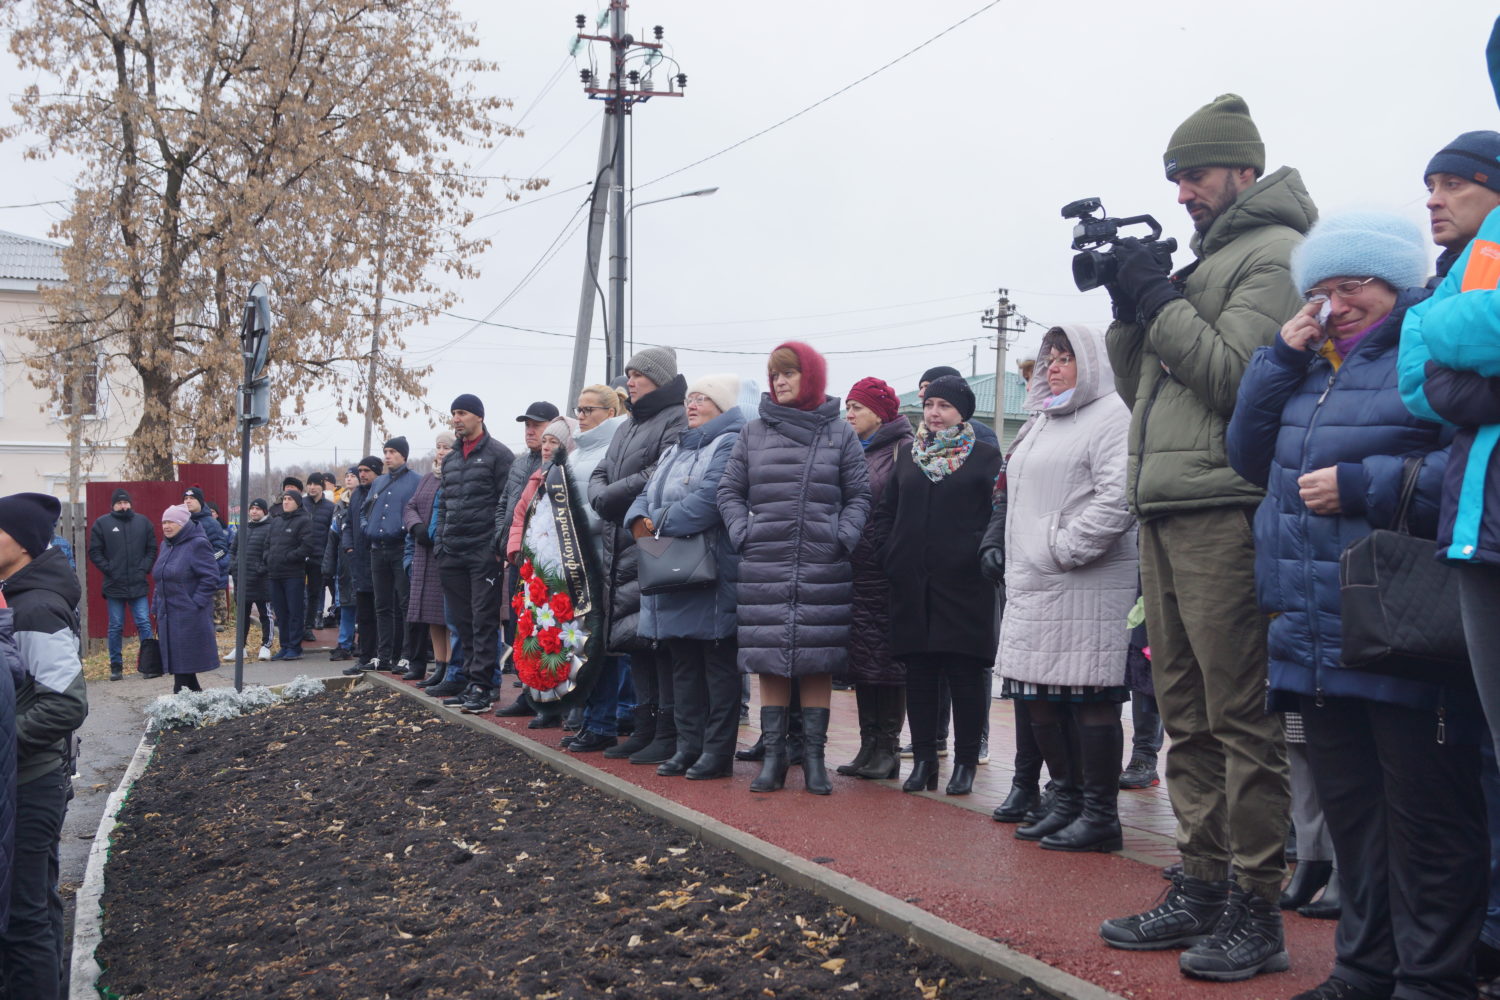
(424, 605)
(873, 410)
(186, 576)
(1070, 579)
(794, 498)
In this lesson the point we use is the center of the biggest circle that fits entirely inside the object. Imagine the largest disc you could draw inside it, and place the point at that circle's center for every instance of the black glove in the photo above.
(1124, 305)
(419, 534)
(1140, 276)
(992, 565)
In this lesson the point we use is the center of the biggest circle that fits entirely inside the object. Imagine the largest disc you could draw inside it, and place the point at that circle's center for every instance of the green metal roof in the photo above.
(984, 397)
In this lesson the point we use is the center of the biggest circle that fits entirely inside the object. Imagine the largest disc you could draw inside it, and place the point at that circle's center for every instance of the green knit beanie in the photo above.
(1219, 134)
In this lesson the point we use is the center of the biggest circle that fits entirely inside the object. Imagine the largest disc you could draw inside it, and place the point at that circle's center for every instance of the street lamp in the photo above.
(699, 193)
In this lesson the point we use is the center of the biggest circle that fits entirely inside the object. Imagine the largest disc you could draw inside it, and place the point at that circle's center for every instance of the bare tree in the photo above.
(229, 140)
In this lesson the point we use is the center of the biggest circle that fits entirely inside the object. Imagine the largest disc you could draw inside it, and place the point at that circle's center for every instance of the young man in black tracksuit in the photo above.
(51, 702)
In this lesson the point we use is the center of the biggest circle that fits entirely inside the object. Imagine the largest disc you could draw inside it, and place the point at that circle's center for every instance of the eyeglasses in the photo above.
(696, 399)
(1060, 360)
(1344, 289)
(583, 411)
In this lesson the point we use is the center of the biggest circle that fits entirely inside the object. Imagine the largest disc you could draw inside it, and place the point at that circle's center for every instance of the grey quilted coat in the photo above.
(794, 498)
(656, 421)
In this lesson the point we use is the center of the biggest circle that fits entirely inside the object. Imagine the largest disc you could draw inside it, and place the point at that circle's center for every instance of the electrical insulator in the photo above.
(585, 76)
(682, 80)
(634, 77)
(657, 31)
(581, 21)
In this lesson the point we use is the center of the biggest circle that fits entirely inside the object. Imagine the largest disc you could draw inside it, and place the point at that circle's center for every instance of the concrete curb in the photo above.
(960, 946)
(88, 919)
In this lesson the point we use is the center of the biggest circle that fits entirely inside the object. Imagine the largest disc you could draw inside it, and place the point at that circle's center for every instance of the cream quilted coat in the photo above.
(1070, 542)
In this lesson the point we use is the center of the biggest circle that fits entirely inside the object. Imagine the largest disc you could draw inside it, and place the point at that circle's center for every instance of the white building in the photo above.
(33, 427)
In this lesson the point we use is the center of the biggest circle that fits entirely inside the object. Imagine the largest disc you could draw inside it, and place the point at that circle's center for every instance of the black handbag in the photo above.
(1400, 610)
(665, 565)
(148, 660)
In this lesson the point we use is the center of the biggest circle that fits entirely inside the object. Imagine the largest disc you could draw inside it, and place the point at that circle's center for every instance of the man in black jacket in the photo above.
(355, 548)
(284, 560)
(123, 545)
(474, 476)
(51, 702)
(320, 509)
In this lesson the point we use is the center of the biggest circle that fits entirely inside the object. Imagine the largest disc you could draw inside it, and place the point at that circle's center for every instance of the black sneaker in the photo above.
(340, 653)
(478, 700)
(116, 671)
(588, 741)
(1141, 773)
(351, 671)
(307, 635)
(1334, 988)
(447, 689)
(1246, 942)
(1189, 911)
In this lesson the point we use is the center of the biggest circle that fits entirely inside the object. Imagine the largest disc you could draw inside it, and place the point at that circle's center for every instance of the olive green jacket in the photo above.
(1180, 373)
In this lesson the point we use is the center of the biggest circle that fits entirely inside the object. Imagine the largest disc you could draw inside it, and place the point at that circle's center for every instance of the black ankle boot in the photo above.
(1097, 827)
(890, 711)
(1017, 804)
(961, 781)
(640, 738)
(865, 701)
(679, 763)
(814, 740)
(773, 733)
(756, 751)
(1329, 905)
(1067, 798)
(1307, 879)
(923, 777)
(433, 679)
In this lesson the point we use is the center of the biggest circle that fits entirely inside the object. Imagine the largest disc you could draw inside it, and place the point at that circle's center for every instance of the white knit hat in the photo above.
(724, 390)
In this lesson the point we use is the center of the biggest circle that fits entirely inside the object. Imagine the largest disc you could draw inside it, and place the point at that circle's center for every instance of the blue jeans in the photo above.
(139, 610)
(1489, 781)
(346, 626)
(455, 649)
(608, 702)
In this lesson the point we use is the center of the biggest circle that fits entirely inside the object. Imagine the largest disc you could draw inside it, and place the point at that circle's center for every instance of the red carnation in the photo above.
(525, 626)
(550, 639)
(537, 591)
(562, 607)
(527, 570)
(518, 602)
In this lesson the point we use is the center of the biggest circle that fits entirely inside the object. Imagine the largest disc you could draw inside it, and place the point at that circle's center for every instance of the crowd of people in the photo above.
(1165, 530)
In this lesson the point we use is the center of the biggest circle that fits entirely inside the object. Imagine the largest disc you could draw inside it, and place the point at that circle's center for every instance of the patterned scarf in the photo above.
(941, 453)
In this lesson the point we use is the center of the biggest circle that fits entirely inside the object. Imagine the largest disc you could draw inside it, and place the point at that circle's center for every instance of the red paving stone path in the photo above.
(947, 856)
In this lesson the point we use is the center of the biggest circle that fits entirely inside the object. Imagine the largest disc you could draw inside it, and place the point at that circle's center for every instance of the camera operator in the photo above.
(1179, 345)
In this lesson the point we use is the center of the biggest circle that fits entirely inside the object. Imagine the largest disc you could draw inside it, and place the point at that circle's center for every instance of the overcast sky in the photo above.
(884, 220)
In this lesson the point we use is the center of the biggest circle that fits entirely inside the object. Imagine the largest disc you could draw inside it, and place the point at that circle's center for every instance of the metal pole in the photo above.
(602, 176)
(242, 563)
(1002, 330)
(617, 191)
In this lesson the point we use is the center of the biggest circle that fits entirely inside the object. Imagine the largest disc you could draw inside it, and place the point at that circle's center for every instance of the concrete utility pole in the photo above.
(597, 212)
(998, 319)
(626, 87)
(370, 391)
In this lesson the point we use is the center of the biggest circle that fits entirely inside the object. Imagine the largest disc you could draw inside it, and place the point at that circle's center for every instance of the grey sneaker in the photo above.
(1246, 942)
(1187, 915)
(1140, 774)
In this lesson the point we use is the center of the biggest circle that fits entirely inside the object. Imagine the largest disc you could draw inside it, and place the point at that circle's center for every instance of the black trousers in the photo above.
(706, 694)
(651, 673)
(313, 614)
(392, 588)
(31, 949)
(472, 591)
(364, 622)
(1408, 824)
(263, 606)
(287, 600)
(966, 682)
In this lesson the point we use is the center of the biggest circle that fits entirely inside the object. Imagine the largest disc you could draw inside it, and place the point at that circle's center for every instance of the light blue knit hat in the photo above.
(1362, 244)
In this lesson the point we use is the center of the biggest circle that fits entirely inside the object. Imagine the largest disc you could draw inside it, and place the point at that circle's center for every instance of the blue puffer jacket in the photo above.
(386, 506)
(681, 499)
(1296, 414)
(1450, 371)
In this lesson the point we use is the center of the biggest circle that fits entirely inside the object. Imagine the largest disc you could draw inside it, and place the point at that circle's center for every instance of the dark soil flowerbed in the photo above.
(356, 846)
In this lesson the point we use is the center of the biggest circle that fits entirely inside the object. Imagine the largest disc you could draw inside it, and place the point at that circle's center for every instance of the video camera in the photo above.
(1093, 267)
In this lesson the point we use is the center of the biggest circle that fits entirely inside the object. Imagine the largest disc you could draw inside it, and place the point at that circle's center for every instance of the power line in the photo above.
(836, 93)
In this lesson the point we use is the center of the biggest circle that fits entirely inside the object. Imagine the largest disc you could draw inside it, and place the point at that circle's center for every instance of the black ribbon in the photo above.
(575, 573)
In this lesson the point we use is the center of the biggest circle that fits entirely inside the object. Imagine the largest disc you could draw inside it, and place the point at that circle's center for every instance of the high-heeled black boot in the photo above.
(923, 777)
(773, 736)
(890, 712)
(961, 781)
(1017, 804)
(1062, 764)
(1307, 879)
(814, 740)
(1329, 905)
(865, 700)
(1025, 791)
(1097, 827)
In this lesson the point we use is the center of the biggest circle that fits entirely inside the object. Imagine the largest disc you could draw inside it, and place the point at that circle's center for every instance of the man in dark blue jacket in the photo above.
(320, 507)
(355, 549)
(51, 702)
(123, 545)
(382, 525)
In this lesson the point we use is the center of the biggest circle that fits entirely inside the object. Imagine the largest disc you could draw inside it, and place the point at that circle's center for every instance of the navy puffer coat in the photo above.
(870, 658)
(1296, 414)
(794, 498)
